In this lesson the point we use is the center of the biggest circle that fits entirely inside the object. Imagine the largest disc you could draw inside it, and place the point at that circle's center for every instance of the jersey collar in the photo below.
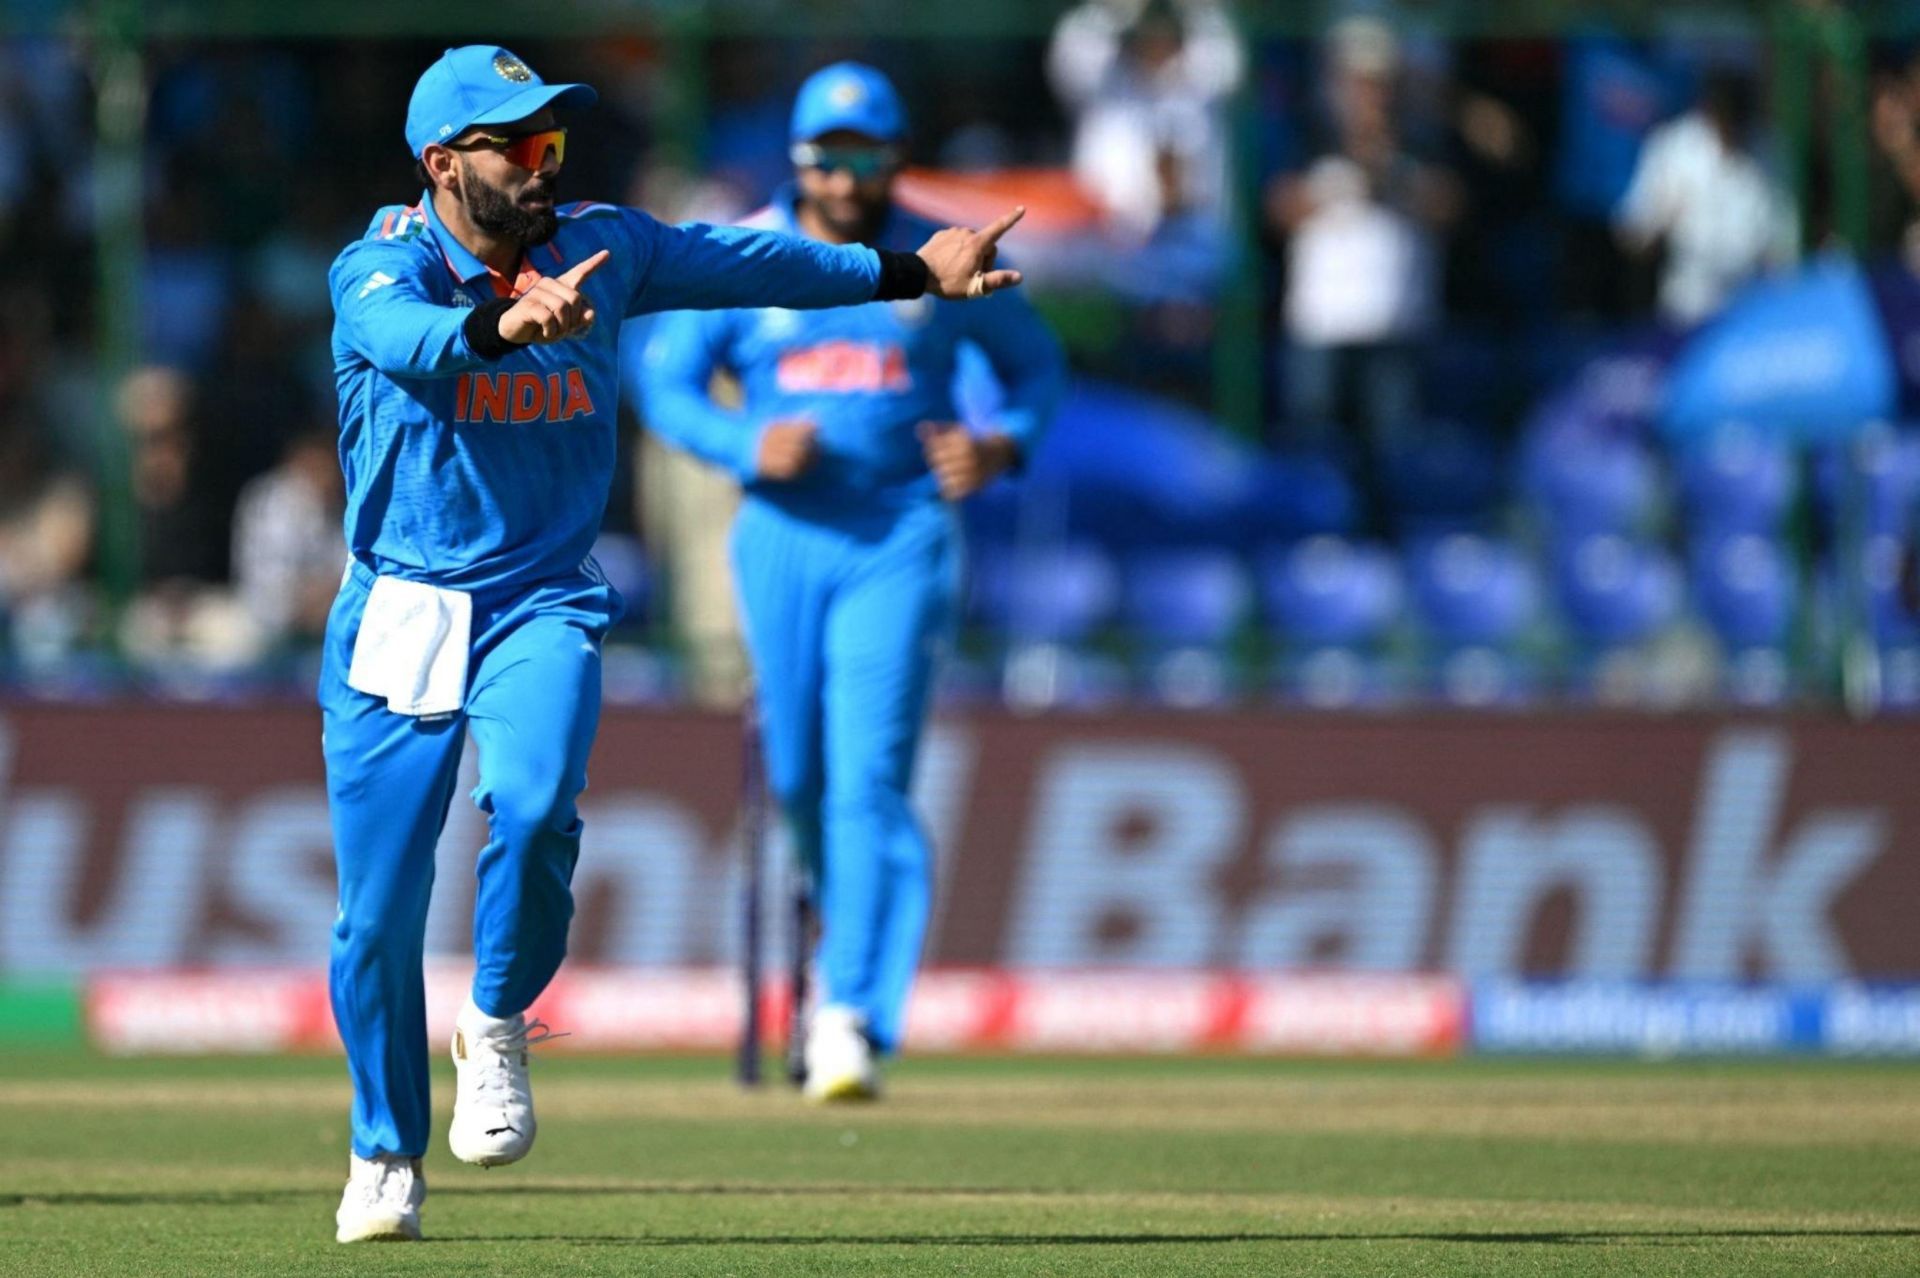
(467, 268)
(464, 265)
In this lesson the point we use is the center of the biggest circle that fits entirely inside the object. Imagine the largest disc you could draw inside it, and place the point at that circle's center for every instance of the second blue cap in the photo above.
(851, 96)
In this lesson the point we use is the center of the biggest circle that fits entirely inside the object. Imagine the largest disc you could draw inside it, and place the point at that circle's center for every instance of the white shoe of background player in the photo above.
(840, 1065)
(382, 1201)
(492, 1100)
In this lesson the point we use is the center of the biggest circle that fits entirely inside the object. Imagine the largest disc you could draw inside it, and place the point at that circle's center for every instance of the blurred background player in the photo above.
(475, 344)
(846, 553)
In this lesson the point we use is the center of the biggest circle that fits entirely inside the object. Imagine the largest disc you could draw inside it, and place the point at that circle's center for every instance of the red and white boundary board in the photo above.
(697, 1009)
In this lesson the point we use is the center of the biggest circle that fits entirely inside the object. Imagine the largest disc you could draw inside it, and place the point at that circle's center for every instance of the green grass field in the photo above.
(1478, 1168)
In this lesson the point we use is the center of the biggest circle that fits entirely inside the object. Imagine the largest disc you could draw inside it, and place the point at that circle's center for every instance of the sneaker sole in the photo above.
(490, 1160)
(842, 1089)
(485, 1157)
(395, 1232)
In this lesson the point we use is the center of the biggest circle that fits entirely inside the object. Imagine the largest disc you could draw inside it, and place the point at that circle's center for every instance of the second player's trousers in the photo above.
(844, 620)
(533, 705)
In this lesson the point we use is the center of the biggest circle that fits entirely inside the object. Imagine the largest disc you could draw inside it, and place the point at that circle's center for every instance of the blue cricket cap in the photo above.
(848, 95)
(481, 84)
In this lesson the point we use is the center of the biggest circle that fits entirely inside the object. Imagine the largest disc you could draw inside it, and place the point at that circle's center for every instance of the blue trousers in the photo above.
(843, 620)
(533, 705)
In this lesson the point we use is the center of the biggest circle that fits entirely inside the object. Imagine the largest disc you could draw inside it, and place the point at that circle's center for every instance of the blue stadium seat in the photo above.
(1056, 594)
(1330, 592)
(1615, 592)
(1290, 496)
(1876, 475)
(1746, 588)
(1737, 480)
(1185, 605)
(1443, 479)
(1477, 597)
(1891, 623)
(1332, 603)
(1184, 598)
(1473, 590)
(1583, 485)
(1130, 469)
(1040, 603)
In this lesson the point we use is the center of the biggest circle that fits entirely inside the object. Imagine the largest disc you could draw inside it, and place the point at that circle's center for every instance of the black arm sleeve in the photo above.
(903, 276)
(483, 329)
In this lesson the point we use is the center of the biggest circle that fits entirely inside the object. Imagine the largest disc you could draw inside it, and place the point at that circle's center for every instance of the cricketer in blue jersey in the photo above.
(475, 342)
(846, 552)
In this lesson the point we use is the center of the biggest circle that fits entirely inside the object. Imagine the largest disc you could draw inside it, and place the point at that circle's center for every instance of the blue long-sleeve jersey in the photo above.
(867, 376)
(473, 473)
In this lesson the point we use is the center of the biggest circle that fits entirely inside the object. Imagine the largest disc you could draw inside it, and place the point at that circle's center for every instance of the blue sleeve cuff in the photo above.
(746, 461)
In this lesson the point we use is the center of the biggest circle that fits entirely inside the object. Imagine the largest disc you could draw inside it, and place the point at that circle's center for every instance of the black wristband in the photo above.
(483, 329)
(903, 276)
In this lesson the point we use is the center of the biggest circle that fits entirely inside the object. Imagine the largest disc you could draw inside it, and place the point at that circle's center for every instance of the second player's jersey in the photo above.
(866, 376)
(473, 473)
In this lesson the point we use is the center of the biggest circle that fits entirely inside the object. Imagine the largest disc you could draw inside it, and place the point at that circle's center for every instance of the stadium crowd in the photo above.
(1438, 234)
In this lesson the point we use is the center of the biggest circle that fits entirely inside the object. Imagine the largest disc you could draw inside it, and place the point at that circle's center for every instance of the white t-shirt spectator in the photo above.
(1359, 271)
(1723, 219)
(1128, 116)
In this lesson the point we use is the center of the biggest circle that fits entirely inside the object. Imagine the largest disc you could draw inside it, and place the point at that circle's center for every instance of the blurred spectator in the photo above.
(1362, 263)
(46, 517)
(1700, 195)
(287, 547)
(1501, 90)
(1896, 138)
(253, 402)
(180, 532)
(1146, 81)
(180, 612)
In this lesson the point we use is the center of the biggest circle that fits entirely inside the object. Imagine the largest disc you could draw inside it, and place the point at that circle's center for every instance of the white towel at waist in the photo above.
(412, 647)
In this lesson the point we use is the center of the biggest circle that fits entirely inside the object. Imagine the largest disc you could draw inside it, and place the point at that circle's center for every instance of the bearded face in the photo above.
(525, 216)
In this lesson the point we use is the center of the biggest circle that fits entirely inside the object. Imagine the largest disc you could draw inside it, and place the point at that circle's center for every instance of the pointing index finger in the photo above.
(1006, 223)
(573, 277)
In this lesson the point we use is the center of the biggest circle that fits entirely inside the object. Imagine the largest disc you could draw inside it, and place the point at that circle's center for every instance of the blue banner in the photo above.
(1607, 1018)
(1623, 1018)
(1805, 355)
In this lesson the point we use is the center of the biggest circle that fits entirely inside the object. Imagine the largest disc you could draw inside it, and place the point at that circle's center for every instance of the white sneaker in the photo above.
(492, 1101)
(382, 1201)
(840, 1065)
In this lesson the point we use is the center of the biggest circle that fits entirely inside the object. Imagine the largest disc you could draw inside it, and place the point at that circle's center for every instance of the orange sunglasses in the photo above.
(528, 150)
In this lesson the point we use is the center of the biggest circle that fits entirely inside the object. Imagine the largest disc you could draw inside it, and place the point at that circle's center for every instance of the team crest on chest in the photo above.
(463, 298)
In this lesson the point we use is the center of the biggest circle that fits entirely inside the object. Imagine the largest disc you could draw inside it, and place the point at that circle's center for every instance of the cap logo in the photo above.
(508, 67)
(846, 93)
